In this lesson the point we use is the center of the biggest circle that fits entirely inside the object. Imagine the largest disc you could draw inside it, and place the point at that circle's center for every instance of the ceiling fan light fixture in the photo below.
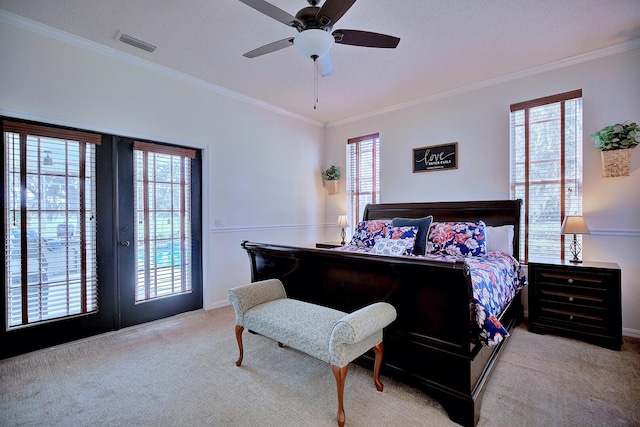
(314, 43)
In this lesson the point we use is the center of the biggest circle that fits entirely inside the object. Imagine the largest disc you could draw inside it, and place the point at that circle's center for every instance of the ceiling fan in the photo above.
(314, 25)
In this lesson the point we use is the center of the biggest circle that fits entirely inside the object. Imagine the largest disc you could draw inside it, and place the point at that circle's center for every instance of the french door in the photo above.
(101, 232)
(156, 233)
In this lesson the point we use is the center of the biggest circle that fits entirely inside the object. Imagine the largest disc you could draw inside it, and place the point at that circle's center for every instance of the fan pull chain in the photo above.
(315, 84)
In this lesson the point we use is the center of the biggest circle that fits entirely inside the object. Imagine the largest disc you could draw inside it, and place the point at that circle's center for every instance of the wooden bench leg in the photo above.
(376, 367)
(239, 330)
(341, 375)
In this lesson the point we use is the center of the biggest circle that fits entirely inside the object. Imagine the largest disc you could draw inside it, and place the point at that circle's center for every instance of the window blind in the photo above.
(163, 209)
(363, 176)
(50, 245)
(546, 170)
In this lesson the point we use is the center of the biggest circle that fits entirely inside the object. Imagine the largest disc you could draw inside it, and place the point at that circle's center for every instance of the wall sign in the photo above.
(435, 157)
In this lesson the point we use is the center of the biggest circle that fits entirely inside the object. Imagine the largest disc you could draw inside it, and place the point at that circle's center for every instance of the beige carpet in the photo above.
(181, 371)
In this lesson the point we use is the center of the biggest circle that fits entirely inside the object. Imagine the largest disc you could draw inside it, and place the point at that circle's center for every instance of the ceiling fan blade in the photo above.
(332, 10)
(365, 38)
(273, 12)
(271, 47)
(324, 66)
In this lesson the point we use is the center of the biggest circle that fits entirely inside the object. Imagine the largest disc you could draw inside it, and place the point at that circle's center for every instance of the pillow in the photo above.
(394, 247)
(457, 238)
(499, 238)
(423, 225)
(368, 232)
(404, 233)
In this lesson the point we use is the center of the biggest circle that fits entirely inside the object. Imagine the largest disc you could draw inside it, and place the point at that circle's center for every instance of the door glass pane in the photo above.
(50, 228)
(163, 229)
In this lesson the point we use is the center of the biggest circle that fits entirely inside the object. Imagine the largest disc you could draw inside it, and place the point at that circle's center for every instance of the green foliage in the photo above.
(617, 137)
(331, 174)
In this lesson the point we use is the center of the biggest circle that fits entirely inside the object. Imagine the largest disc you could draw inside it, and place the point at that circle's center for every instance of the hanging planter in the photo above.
(332, 187)
(332, 176)
(616, 162)
(615, 143)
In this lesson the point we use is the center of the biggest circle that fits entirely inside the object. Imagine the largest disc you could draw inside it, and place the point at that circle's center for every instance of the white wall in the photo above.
(479, 121)
(261, 168)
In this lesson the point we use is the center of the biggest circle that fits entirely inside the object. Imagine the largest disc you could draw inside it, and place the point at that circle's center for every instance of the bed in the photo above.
(449, 332)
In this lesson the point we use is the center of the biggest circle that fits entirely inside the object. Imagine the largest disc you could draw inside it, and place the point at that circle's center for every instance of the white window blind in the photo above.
(546, 170)
(163, 212)
(50, 227)
(363, 176)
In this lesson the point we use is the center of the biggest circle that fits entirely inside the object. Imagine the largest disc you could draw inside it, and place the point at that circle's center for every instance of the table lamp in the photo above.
(342, 222)
(574, 224)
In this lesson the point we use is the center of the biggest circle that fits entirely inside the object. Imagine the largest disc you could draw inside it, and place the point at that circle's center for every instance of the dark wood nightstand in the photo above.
(579, 301)
(328, 245)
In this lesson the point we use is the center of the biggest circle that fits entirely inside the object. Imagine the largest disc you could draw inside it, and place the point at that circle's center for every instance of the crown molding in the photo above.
(73, 40)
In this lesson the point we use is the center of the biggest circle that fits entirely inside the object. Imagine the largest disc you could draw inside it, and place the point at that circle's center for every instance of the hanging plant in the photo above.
(614, 143)
(617, 137)
(331, 174)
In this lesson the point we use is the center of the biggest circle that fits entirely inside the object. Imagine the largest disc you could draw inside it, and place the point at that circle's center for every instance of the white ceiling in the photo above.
(444, 44)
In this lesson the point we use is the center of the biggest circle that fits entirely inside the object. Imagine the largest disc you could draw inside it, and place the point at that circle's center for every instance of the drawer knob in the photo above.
(570, 299)
(571, 317)
(570, 280)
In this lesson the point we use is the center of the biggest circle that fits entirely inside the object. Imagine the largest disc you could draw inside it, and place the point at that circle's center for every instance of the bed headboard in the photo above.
(492, 212)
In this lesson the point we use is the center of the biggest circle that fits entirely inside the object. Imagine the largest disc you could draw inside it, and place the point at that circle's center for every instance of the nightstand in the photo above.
(579, 301)
(328, 245)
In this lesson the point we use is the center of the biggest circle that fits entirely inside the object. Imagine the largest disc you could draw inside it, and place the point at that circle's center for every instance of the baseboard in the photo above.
(217, 304)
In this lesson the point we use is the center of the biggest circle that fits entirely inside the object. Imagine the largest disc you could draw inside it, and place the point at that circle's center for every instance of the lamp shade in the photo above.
(574, 224)
(314, 43)
(342, 221)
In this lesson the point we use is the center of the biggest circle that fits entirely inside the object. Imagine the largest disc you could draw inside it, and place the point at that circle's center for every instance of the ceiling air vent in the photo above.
(136, 43)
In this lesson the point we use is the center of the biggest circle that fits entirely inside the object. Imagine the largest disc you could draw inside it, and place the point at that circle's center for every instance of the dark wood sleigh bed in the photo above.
(431, 345)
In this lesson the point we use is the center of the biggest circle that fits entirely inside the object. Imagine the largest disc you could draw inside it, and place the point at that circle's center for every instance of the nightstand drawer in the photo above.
(577, 281)
(573, 296)
(570, 316)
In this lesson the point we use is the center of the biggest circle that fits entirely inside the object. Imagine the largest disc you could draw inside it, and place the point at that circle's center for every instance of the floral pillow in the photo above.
(406, 233)
(457, 238)
(367, 233)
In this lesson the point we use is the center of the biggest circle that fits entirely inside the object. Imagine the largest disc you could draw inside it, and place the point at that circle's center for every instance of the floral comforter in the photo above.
(495, 277)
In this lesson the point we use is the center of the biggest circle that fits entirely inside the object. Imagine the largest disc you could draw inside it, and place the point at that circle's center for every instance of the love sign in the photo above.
(435, 157)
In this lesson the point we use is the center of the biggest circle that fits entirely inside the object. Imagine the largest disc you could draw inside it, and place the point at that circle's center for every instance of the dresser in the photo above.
(580, 301)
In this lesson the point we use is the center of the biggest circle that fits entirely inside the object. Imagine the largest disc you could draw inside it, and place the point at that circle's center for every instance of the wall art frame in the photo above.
(435, 157)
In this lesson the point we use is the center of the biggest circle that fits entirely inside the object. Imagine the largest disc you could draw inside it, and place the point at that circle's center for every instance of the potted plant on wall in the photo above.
(332, 175)
(615, 143)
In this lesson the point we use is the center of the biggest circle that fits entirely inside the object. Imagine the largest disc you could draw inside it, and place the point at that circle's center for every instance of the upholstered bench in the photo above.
(324, 333)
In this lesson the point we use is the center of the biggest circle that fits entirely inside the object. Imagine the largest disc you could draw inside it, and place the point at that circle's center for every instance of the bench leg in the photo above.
(376, 367)
(239, 330)
(341, 375)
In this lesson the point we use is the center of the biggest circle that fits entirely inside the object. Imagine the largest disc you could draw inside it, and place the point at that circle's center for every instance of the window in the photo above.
(546, 170)
(50, 231)
(363, 175)
(163, 212)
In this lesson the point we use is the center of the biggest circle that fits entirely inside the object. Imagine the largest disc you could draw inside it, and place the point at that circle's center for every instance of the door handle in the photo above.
(125, 243)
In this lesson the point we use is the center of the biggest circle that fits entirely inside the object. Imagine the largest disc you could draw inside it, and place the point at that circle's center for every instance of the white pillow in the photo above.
(499, 238)
(394, 247)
